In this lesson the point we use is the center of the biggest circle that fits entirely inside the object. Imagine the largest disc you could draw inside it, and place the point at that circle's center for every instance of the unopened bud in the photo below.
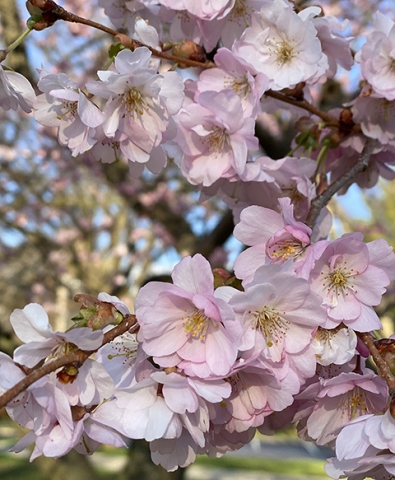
(96, 314)
(68, 374)
(190, 50)
(346, 116)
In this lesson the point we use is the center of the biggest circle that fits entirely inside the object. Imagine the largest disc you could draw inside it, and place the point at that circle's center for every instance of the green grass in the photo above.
(294, 467)
(15, 468)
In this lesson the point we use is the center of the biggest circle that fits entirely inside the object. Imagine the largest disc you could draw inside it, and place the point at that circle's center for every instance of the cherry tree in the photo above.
(282, 336)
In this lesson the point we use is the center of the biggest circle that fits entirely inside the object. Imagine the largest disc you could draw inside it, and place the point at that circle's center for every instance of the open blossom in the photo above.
(56, 427)
(274, 237)
(351, 277)
(377, 57)
(31, 325)
(339, 400)
(229, 28)
(65, 106)
(173, 413)
(140, 102)
(215, 137)
(365, 448)
(283, 45)
(15, 91)
(233, 73)
(185, 324)
(279, 313)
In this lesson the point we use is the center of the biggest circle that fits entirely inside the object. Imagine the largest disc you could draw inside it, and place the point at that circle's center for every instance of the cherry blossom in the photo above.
(233, 73)
(344, 275)
(31, 325)
(140, 102)
(185, 324)
(214, 128)
(283, 46)
(64, 105)
(340, 400)
(377, 57)
(15, 91)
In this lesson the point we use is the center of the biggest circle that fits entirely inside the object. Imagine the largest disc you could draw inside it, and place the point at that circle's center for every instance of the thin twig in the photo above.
(328, 119)
(56, 12)
(77, 356)
(59, 13)
(382, 366)
(322, 200)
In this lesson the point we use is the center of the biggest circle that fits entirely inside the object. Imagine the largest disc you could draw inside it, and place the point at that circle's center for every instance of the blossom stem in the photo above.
(19, 40)
(382, 366)
(78, 356)
(322, 200)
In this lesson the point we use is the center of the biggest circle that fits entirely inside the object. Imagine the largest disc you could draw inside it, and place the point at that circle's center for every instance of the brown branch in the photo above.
(382, 366)
(328, 119)
(78, 356)
(53, 12)
(322, 200)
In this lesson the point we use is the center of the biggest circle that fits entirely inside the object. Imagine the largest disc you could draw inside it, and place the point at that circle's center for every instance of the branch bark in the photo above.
(322, 200)
(78, 356)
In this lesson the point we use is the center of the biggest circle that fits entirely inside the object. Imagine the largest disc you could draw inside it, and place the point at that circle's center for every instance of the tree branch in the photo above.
(78, 356)
(322, 200)
(382, 366)
(53, 12)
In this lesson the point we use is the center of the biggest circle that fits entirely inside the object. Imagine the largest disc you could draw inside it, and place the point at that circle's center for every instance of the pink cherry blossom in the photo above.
(204, 9)
(215, 137)
(376, 116)
(334, 46)
(377, 57)
(274, 238)
(350, 282)
(283, 46)
(340, 400)
(185, 324)
(233, 73)
(365, 448)
(140, 102)
(276, 311)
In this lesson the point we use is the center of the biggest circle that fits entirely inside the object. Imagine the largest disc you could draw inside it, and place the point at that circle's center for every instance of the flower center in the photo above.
(216, 140)
(354, 403)
(197, 324)
(339, 280)
(240, 14)
(270, 323)
(70, 107)
(126, 347)
(284, 51)
(284, 249)
(134, 101)
(241, 87)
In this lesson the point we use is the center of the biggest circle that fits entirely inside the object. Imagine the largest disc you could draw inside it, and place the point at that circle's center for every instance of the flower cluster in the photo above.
(209, 366)
(212, 357)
